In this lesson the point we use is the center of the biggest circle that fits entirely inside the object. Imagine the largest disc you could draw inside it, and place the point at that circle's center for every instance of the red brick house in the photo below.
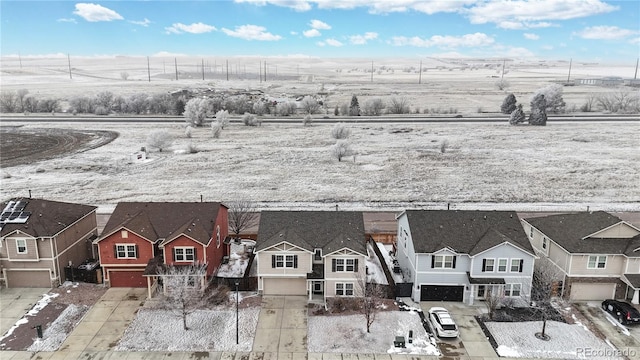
(178, 233)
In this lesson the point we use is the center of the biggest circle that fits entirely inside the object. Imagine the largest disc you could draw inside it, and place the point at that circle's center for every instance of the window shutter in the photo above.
(295, 261)
(433, 261)
(115, 251)
(355, 265)
(135, 249)
(195, 254)
(521, 263)
(484, 265)
(333, 265)
(273, 261)
(454, 261)
(173, 251)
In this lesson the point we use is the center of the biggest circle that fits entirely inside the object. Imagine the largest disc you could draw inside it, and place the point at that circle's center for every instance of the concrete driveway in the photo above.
(472, 341)
(282, 326)
(15, 302)
(627, 344)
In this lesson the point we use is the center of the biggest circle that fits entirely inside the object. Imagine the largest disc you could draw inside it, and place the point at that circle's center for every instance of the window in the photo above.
(443, 262)
(21, 246)
(531, 232)
(126, 251)
(124, 234)
(516, 265)
(502, 265)
(218, 236)
(184, 254)
(597, 262)
(344, 289)
(345, 265)
(488, 264)
(284, 261)
(512, 289)
(545, 243)
(317, 254)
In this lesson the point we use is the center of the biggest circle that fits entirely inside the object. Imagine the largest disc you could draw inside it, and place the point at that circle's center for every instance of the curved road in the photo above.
(328, 120)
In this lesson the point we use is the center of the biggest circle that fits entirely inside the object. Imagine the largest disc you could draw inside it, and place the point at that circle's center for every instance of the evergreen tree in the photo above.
(509, 104)
(517, 116)
(354, 108)
(538, 114)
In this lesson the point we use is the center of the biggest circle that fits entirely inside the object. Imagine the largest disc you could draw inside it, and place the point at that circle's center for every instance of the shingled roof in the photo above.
(165, 220)
(571, 231)
(464, 231)
(47, 217)
(326, 230)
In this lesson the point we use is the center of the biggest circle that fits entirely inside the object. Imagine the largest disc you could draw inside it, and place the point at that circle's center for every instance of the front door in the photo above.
(317, 287)
(480, 294)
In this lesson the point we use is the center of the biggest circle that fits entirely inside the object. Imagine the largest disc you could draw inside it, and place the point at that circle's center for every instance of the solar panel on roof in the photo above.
(19, 206)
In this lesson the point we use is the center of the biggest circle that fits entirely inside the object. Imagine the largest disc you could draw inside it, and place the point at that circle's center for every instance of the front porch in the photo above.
(481, 289)
(633, 287)
(315, 284)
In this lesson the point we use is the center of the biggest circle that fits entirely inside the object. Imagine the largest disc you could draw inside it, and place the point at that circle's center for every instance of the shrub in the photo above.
(124, 75)
(104, 99)
(622, 101)
(259, 108)
(553, 98)
(306, 121)
(222, 118)
(344, 109)
(8, 103)
(159, 139)
(196, 111)
(101, 110)
(249, 120)
(517, 116)
(340, 131)
(187, 132)
(398, 106)
(336, 111)
(502, 84)
(341, 149)
(508, 104)
(309, 105)
(354, 107)
(373, 107)
(443, 146)
(285, 108)
(216, 130)
(538, 114)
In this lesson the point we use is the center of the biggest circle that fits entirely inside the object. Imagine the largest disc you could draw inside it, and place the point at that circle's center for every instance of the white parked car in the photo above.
(442, 323)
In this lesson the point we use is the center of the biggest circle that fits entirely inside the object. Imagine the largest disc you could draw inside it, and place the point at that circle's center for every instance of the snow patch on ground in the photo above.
(375, 273)
(568, 341)
(348, 334)
(56, 333)
(209, 330)
(46, 299)
(238, 262)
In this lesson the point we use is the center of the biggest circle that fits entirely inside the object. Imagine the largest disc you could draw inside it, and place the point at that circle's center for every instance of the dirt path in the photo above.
(25, 146)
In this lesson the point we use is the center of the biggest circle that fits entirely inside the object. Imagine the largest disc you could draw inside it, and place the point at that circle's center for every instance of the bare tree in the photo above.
(492, 300)
(8, 101)
(373, 107)
(398, 105)
(242, 214)
(309, 105)
(183, 288)
(371, 298)
(341, 149)
(502, 84)
(20, 99)
(159, 139)
(124, 75)
(545, 276)
(622, 101)
(195, 111)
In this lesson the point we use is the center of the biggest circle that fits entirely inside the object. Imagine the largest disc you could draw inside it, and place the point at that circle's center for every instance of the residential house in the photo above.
(319, 254)
(38, 238)
(598, 254)
(175, 233)
(464, 255)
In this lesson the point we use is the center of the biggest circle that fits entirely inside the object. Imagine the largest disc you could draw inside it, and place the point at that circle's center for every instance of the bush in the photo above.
(222, 118)
(398, 106)
(306, 121)
(538, 114)
(443, 146)
(250, 120)
(259, 108)
(101, 110)
(216, 130)
(344, 109)
(502, 84)
(517, 116)
(341, 149)
(340, 131)
(373, 107)
(196, 111)
(354, 107)
(309, 105)
(553, 97)
(619, 102)
(508, 104)
(187, 132)
(159, 139)
(286, 108)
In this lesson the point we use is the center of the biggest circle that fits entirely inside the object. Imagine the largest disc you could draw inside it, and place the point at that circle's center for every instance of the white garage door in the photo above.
(583, 291)
(281, 286)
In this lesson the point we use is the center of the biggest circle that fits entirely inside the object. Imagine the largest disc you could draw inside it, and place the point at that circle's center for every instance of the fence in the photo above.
(89, 276)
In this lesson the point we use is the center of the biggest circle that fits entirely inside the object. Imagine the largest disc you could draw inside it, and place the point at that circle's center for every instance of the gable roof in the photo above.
(165, 220)
(465, 231)
(571, 231)
(47, 217)
(326, 230)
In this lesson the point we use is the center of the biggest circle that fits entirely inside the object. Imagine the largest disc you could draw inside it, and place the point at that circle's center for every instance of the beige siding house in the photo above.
(596, 253)
(318, 254)
(38, 238)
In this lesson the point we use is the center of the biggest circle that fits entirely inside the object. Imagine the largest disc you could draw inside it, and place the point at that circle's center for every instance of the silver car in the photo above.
(443, 323)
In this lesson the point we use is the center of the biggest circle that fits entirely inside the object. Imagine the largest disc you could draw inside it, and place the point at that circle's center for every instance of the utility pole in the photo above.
(69, 61)
(372, 71)
(202, 69)
(636, 74)
(504, 62)
(420, 72)
(260, 71)
(148, 69)
(175, 60)
(227, 70)
(164, 67)
(569, 75)
(265, 71)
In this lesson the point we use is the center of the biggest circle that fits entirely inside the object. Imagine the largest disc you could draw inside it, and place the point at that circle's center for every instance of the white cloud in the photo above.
(69, 20)
(252, 32)
(374, 6)
(195, 28)
(605, 33)
(447, 41)
(95, 12)
(520, 14)
(531, 36)
(298, 5)
(320, 25)
(635, 40)
(293, 33)
(144, 22)
(362, 39)
(311, 33)
(547, 47)
(330, 42)
(167, 54)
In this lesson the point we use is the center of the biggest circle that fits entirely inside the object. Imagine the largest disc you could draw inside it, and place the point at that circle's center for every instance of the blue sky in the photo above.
(586, 30)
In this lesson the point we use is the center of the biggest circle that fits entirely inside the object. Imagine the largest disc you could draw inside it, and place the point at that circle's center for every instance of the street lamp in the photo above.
(237, 322)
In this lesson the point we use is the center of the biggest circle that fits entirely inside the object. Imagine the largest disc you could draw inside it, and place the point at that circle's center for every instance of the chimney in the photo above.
(29, 193)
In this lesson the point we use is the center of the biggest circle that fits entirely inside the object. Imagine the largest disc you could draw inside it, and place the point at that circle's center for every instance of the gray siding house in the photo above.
(464, 255)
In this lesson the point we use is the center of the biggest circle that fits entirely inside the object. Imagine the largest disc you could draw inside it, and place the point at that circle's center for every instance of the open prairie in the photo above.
(394, 162)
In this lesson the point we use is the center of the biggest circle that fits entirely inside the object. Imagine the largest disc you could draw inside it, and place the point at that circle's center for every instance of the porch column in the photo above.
(310, 290)
(472, 293)
(148, 287)
(636, 297)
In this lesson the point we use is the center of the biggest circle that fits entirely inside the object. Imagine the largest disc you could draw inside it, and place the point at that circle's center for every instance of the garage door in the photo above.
(23, 278)
(285, 286)
(127, 279)
(583, 291)
(441, 293)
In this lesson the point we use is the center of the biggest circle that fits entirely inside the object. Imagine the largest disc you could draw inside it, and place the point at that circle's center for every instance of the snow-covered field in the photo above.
(585, 163)
(568, 341)
(348, 334)
(209, 330)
